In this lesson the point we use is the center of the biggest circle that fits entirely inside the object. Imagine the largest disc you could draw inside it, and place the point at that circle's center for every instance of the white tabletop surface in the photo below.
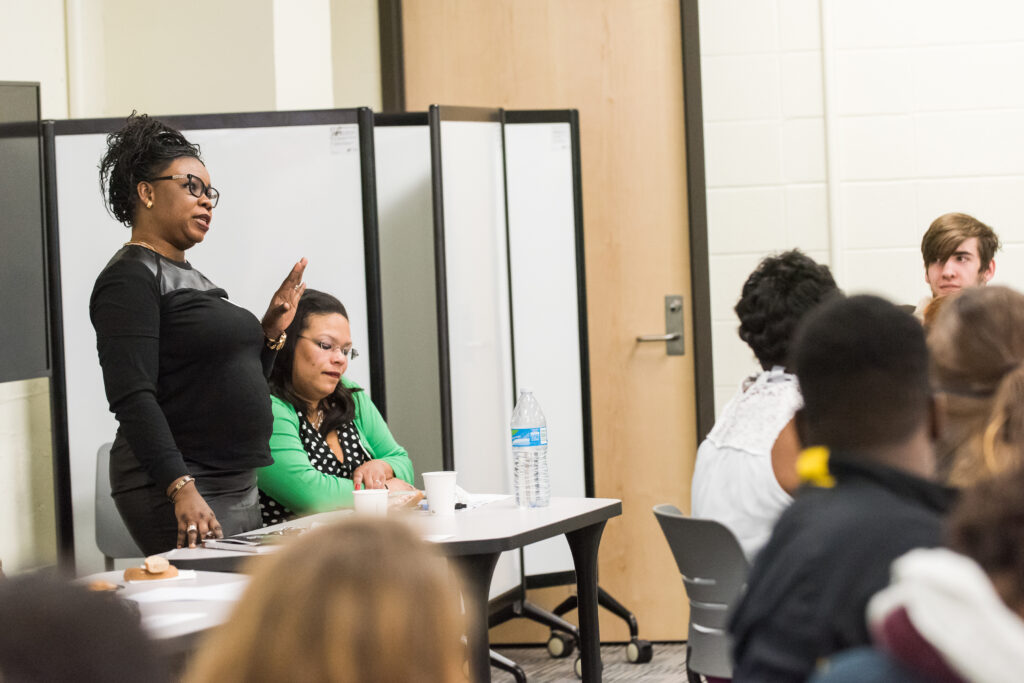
(179, 607)
(492, 527)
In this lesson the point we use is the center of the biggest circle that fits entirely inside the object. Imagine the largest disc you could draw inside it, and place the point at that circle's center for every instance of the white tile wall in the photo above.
(799, 25)
(967, 77)
(896, 274)
(747, 153)
(875, 147)
(801, 84)
(873, 82)
(759, 95)
(999, 202)
(803, 151)
(877, 215)
(731, 27)
(928, 118)
(807, 217)
(745, 219)
(972, 143)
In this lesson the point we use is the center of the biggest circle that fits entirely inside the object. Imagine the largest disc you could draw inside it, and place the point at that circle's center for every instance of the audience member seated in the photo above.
(328, 436)
(55, 631)
(355, 602)
(870, 417)
(977, 363)
(746, 467)
(952, 616)
(958, 252)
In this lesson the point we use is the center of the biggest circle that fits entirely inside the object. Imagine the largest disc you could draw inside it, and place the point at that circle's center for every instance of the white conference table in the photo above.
(473, 539)
(175, 612)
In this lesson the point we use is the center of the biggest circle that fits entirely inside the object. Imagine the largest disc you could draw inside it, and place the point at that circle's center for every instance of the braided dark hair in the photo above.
(139, 151)
(780, 291)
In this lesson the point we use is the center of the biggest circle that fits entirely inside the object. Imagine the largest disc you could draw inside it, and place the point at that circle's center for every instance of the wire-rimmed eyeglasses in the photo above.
(327, 347)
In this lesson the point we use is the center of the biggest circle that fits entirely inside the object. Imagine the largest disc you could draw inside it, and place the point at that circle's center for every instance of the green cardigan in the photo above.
(294, 482)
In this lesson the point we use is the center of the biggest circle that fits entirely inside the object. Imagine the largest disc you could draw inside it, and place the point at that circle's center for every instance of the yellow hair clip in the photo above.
(812, 467)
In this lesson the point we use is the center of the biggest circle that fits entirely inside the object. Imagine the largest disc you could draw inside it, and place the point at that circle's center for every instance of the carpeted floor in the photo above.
(667, 665)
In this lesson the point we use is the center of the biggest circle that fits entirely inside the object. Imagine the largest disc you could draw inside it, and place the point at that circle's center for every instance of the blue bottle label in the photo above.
(526, 437)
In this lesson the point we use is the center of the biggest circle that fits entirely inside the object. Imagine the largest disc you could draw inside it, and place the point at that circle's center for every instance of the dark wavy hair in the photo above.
(987, 525)
(780, 291)
(340, 406)
(139, 151)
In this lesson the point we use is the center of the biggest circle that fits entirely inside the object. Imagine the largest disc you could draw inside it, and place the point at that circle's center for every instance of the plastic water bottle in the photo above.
(530, 453)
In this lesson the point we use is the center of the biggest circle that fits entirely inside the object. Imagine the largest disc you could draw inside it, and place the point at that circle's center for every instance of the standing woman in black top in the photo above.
(184, 368)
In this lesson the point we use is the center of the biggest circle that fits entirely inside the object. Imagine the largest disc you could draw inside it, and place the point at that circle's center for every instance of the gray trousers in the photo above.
(149, 516)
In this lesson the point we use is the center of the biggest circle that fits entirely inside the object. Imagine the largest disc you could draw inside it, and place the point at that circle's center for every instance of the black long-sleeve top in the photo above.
(184, 369)
(829, 553)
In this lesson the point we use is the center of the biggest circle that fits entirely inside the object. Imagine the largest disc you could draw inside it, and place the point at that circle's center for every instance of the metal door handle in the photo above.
(673, 337)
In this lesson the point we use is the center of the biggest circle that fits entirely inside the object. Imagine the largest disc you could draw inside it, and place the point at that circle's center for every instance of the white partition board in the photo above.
(545, 306)
(287, 192)
(479, 329)
(405, 230)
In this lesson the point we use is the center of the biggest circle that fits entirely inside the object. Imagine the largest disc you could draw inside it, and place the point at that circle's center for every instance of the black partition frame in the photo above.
(363, 117)
(52, 367)
(572, 117)
(435, 116)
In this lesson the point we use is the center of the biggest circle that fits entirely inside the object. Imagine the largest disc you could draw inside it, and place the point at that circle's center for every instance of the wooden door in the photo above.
(620, 64)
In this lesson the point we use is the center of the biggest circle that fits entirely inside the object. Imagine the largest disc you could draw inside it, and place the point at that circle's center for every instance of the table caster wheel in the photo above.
(561, 645)
(578, 667)
(639, 651)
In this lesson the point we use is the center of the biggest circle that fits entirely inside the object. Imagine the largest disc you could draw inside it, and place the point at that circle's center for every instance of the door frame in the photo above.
(392, 62)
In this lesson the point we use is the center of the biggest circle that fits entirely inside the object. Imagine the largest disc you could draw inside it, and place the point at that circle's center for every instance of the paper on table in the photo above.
(158, 621)
(478, 499)
(223, 592)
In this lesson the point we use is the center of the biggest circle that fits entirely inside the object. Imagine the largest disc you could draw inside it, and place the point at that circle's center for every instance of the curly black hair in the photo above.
(139, 151)
(780, 291)
(340, 405)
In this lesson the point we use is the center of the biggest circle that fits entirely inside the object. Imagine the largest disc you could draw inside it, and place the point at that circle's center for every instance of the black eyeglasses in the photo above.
(327, 347)
(196, 186)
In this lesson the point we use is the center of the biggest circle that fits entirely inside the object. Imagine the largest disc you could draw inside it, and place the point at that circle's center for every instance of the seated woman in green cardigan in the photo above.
(328, 437)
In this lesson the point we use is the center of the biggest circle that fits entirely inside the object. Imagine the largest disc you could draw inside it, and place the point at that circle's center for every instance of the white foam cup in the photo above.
(370, 502)
(440, 490)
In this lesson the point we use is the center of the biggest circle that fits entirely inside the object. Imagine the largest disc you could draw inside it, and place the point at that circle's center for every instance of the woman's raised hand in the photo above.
(281, 311)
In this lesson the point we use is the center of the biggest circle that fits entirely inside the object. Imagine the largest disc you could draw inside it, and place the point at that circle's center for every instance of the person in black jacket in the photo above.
(184, 368)
(862, 365)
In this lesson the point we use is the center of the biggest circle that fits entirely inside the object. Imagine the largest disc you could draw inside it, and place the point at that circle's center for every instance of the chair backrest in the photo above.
(714, 571)
(112, 537)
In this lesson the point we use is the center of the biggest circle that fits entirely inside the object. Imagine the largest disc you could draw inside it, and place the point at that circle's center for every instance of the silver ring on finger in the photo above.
(192, 527)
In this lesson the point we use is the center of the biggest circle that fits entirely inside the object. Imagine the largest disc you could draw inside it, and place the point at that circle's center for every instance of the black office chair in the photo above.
(714, 572)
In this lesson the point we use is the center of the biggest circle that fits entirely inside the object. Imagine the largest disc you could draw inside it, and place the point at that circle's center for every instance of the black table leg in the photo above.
(477, 571)
(583, 543)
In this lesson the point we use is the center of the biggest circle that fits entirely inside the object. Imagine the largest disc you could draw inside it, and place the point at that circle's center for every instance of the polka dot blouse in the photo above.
(322, 458)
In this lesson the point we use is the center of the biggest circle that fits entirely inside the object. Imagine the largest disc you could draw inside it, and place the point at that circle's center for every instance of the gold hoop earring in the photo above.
(149, 204)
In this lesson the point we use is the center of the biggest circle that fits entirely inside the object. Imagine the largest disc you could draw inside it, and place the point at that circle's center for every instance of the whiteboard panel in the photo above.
(545, 307)
(408, 279)
(287, 192)
(479, 329)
